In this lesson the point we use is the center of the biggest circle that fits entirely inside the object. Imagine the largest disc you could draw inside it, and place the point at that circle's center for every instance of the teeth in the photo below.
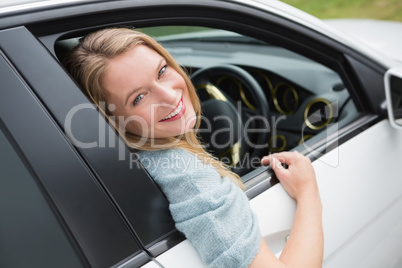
(175, 112)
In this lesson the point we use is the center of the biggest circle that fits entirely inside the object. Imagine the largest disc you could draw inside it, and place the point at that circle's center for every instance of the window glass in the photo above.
(31, 235)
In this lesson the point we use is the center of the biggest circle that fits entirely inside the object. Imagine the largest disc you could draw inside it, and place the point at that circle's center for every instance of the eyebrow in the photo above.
(132, 92)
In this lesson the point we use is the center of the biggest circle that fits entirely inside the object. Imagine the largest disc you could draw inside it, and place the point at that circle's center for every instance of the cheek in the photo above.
(137, 124)
(137, 127)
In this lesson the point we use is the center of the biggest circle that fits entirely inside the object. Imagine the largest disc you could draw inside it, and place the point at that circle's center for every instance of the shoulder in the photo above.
(167, 155)
(179, 173)
(177, 161)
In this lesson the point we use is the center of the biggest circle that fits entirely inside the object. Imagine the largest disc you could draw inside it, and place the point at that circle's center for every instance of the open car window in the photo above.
(304, 97)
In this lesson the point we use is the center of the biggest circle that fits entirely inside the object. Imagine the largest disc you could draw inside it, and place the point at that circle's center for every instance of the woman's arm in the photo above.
(305, 245)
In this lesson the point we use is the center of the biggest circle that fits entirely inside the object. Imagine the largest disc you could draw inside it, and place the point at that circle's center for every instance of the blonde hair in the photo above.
(88, 63)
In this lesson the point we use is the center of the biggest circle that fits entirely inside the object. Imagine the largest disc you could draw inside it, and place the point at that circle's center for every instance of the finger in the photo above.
(266, 160)
(287, 157)
(276, 165)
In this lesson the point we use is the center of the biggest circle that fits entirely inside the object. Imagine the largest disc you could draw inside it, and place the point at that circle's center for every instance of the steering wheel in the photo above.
(225, 129)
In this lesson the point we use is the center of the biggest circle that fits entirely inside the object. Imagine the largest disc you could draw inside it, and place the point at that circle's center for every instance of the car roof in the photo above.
(14, 5)
(11, 9)
(9, 3)
(17, 7)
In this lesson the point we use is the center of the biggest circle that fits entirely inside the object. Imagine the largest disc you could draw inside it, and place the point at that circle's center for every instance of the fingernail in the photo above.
(276, 162)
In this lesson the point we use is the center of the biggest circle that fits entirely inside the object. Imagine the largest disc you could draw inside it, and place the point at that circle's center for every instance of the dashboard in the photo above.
(304, 96)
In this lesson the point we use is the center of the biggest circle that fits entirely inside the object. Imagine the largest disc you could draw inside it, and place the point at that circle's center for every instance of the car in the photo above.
(74, 195)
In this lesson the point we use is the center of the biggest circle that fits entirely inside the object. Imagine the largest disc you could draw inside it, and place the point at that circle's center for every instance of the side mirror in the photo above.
(393, 95)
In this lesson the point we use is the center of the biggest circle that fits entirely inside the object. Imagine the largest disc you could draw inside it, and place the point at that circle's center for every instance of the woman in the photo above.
(153, 104)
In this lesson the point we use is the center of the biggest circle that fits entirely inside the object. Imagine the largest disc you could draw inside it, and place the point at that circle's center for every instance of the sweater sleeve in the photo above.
(212, 212)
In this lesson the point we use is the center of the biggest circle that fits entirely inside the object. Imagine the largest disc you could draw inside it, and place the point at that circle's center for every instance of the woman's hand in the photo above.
(305, 245)
(298, 179)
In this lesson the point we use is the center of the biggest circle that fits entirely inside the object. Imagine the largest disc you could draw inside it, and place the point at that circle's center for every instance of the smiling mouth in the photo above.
(176, 113)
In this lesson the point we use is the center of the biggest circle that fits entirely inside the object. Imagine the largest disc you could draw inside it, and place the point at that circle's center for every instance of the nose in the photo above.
(166, 94)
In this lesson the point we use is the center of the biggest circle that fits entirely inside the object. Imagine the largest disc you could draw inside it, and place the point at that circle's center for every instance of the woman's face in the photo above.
(146, 96)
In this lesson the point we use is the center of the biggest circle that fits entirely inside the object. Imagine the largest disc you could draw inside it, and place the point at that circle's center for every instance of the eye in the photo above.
(161, 71)
(138, 99)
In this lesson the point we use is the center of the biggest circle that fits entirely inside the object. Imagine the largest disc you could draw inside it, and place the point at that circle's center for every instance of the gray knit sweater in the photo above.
(212, 212)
